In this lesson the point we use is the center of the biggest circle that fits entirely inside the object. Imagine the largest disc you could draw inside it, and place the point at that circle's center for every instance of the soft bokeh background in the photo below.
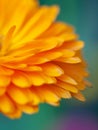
(72, 114)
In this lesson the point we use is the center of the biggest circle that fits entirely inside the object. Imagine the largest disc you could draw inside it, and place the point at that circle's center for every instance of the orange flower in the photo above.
(40, 59)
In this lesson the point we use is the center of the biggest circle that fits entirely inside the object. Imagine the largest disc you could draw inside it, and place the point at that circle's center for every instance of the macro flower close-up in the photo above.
(40, 58)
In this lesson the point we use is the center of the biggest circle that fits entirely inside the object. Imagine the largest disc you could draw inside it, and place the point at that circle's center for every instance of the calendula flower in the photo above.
(40, 59)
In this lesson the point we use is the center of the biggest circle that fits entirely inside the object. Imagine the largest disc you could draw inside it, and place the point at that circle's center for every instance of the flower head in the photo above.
(40, 59)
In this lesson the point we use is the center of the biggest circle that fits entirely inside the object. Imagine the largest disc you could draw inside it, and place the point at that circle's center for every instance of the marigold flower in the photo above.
(40, 59)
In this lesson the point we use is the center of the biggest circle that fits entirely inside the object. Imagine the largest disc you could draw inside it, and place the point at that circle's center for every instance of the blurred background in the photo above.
(72, 114)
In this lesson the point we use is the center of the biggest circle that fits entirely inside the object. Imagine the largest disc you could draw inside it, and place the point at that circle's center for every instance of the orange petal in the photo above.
(68, 87)
(36, 98)
(37, 26)
(67, 79)
(28, 109)
(79, 96)
(36, 79)
(4, 80)
(71, 60)
(18, 95)
(6, 71)
(56, 29)
(49, 96)
(41, 58)
(7, 40)
(6, 105)
(62, 93)
(16, 114)
(73, 45)
(21, 79)
(52, 70)
(2, 90)
(13, 12)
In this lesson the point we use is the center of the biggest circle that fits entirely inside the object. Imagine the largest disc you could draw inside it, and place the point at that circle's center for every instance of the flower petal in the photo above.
(29, 109)
(67, 79)
(18, 95)
(4, 80)
(68, 87)
(6, 105)
(52, 70)
(21, 79)
(49, 96)
(79, 96)
(39, 28)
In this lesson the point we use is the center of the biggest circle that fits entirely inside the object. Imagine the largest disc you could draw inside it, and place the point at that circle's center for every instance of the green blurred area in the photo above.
(82, 14)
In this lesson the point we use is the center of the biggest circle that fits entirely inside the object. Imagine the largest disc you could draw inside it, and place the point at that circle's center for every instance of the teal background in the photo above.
(83, 15)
